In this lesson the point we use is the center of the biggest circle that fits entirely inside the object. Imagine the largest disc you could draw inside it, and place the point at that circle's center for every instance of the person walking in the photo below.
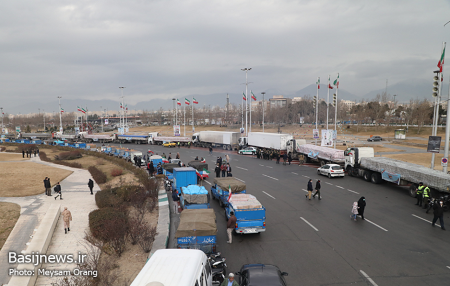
(67, 217)
(217, 170)
(289, 158)
(419, 192)
(231, 224)
(309, 188)
(229, 281)
(37, 151)
(354, 211)
(34, 151)
(210, 150)
(46, 186)
(27, 153)
(175, 200)
(426, 196)
(317, 190)
(438, 211)
(284, 158)
(23, 154)
(57, 190)
(278, 158)
(178, 144)
(150, 168)
(91, 185)
(361, 206)
(223, 168)
(229, 170)
(178, 155)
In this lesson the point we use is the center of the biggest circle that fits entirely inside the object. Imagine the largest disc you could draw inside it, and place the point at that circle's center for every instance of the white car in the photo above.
(331, 170)
(247, 151)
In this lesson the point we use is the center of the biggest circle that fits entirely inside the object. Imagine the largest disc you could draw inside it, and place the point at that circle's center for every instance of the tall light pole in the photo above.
(101, 119)
(43, 115)
(60, 117)
(122, 120)
(447, 133)
(263, 93)
(1, 108)
(174, 115)
(246, 97)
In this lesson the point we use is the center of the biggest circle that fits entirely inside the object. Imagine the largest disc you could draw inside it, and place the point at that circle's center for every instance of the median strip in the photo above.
(270, 177)
(376, 225)
(309, 224)
(368, 278)
(241, 168)
(269, 195)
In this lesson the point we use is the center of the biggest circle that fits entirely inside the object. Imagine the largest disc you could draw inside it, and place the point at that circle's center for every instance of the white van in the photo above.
(175, 267)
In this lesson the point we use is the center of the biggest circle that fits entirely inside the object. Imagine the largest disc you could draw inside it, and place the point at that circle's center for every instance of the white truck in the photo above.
(360, 162)
(274, 141)
(220, 139)
(100, 138)
(306, 153)
(137, 138)
(159, 140)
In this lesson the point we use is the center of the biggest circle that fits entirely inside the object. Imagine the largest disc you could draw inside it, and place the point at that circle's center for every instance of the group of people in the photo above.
(358, 208)
(423, 194)
(223, 166)
(268, 154)
(30, 152)
(48, 188)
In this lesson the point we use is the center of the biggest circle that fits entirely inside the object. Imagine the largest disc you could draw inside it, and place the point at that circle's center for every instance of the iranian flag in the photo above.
(178, 102)
(194, 101)
(186, 101)
(126, 106)
(336, 82)
(62, 110)
(244, 97)
(121, 106)
(329, 86)
(81, 109)
(230, 192)
(253, 96)
(318, 83)
(441, 61)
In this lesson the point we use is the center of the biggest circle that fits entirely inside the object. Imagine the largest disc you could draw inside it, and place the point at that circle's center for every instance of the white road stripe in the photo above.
(421, 218)
(309, 224)
(448, 267)
(269, 195)
(339, 187)
(376, 225)
(329, 183)
(304, 190)
(269, 167)
(368, 278)
(270, 177)
(241, 168)
(234, 159)
(305, 176)
(261, 165)
(208, 182)
(239, 180)
(353, 192)
(294, 173)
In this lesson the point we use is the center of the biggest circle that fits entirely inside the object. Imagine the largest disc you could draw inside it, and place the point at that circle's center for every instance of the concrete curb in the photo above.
(39, 244)
(162, 238)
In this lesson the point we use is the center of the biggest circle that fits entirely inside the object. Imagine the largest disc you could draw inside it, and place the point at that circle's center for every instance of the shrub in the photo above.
(99, 176)
(116, 172)
(71, 155)
(116, 231)
(146, 237)
(126, 192)
(134, 229)
(100, 217)
(69, 164)
(2, 149)
(105, 199)
(43, 156)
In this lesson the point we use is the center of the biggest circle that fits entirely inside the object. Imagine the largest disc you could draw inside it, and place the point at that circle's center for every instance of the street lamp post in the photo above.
(101, 119)
(1, 108)
(263, 107)
(174, 114)
(60, 117)
(43, 115)
(122, 119)
(246, 99)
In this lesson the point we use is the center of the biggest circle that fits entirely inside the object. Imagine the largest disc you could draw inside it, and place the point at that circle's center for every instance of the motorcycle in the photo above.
(218, 266)
(168, 185)
(218, 275)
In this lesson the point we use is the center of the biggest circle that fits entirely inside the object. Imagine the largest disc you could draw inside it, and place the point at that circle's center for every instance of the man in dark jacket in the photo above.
(361, 206)
(46, 187)
(310, 189)
(284, 158)
(278, 158)
(57, 190)
(91, 185)
(229, 170)
(289, 158)
(49, 187)
(23, 154)
(317, 190)
(175, 200)
(438, 213)
(150, 168)
(217, 170)
(231, 224)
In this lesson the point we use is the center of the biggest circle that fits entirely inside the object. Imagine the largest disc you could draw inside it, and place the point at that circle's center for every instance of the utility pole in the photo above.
(43, 115)
(122, 120)
(246, 99)
(328, 98)
(228, 106)
(1, 108)
(101, 119)
(263, 107)
(60, 117)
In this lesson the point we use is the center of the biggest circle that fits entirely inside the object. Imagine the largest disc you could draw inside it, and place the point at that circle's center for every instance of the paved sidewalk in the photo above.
(76, 197)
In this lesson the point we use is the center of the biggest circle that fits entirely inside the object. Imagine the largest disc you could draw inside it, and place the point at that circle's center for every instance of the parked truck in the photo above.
(273, 141)
(250, 214)
(312, 153)
(221, 189)
(360, 162)
(218, 139)
(159, 140)
(135, 138)
(100, 138)
(197, 230)
(194, 197)
(183, 176)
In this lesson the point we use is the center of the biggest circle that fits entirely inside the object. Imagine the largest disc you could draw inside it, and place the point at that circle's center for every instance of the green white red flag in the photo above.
(230, 192)
(244, 97)
(178, 102)
(318, 83)
(81, 109)
(441, 61)
(253, 96)
(194, 101)
(186, 101)
(62, 110)
(336, 81)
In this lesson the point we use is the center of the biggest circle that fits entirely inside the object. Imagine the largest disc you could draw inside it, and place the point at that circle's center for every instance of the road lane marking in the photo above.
(309, 224)
(241, 168)
(329, 183)
(353, 192)
(376, 225)
(421, 218)
(339, 187)
(269, 195)
(368, 278)
(261, 165)
(239, 180)
(294, 173)
(305, 176)
(235, 159)
(448, 267)
(270, 177)
(269, 167)
(208, 182)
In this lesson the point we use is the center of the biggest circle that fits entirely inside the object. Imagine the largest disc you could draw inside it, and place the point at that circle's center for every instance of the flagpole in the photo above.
(176, 113)
(60, 118)
(317, 102)
(328, 98)
(121, 112)
(192, 114)
(184, 120)
(251, 111)
(242, 113)
(335, 110)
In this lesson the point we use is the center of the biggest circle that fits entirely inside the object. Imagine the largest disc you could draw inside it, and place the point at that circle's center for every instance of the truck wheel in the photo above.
(229, 147)
(350, 171)
(367, 176)
(224, 147)
(375, 178)
(412, 190)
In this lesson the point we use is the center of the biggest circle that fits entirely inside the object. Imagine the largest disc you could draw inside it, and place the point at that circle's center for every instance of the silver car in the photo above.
(331, 170)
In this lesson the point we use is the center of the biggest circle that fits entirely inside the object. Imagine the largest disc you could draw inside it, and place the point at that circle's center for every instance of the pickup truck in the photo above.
(194, 197)
(250, 214)
(197, 230)
(220, 189)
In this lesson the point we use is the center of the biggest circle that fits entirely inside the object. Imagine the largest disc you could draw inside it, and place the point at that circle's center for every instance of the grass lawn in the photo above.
(12, 157)
(9, 214)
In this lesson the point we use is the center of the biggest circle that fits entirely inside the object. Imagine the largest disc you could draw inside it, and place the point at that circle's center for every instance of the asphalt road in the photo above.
(316, 242)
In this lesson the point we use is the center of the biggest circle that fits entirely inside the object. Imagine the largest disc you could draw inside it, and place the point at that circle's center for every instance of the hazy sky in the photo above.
(87, 49)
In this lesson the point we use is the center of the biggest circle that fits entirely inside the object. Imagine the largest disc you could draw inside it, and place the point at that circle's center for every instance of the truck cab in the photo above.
(243, 142)
(292, 146)
(195, 137)
(353, 156)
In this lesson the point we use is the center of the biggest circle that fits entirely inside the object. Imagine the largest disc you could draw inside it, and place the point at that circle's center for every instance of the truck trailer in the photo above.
(360, 162)
(273, 141)
(313, 153)
(219, 139)
(159, 140)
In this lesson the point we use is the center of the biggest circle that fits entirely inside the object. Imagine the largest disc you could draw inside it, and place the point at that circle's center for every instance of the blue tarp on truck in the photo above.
(250, 214)
(194, 197)
(197, 230)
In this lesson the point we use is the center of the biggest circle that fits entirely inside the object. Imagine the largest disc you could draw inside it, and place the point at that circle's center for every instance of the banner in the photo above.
(327, 138)
(390, 177)
(434, 144)
(106, 121)
(316, 133)
(176, 130)
(18, 129)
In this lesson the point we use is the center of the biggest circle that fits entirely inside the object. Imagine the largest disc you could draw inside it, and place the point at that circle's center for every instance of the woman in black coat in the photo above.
(361, 206)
